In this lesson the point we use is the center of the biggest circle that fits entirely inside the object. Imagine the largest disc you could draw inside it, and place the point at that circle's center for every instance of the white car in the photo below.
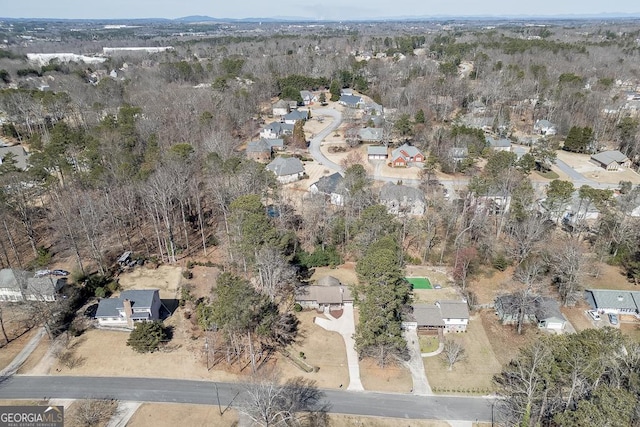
(593, 314)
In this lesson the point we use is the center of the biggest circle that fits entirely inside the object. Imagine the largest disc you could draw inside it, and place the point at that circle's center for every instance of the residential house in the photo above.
(262, 149)
(372, 120)
(19, 285)
(133, 305)
(611, 160)
(519, 152)
(20, 156)
(296, 116)
(331, 186)
(286, 169)
(406, 154)
(346, 91)
(370, 135)
(477, 107)
(351, 101)
(484, 123)
(443, 316)
(614, 301)
(275, 130)
(308, 98)
(377, 152)
(402, 200)
(458, 154)
(328, 292)
(281, 108)
(545, 127)
(502, 144)
(571, 212)
(374, 109)
(542, 311)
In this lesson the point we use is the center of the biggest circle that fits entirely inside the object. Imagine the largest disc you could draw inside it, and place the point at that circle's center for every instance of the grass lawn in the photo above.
(428, 344)
(419, 282)
(548, 174)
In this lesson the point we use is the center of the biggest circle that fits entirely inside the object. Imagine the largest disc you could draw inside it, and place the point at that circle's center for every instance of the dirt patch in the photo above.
(430, 296)
(605, 276)
(203, 280)
(321, 348)
(166, 278)
(359, 421)
(489, 283)
(395, 378)
(506, 343)
(631, 330)
(472, 375)
(577, 316)
(171, 414)
(346, 273)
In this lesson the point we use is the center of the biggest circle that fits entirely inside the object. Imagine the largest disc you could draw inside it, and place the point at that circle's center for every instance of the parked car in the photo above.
(613, 319)
(60, 272)
(593, 314)
(42, 273)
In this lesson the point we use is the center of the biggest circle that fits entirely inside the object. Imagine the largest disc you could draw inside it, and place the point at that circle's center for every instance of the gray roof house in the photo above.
(502, 144)
(375, 120)
(406, 154)
(133, 305)
(308, 98)
(611, 160)
(262, 149)
(19, 155)
(332, 186)
(370, 134)
(377, 152)
(296, 116)
(402, 200)
(544, 127)
(458, 154)
(543, 311)
(276, 129)
(19, 285)
(613, 301)
(351, 101)
(281, 108)
(448, 316)
(327, 292)
(286, 169)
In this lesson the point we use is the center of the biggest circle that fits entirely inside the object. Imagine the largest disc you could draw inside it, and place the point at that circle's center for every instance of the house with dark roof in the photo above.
(370, 135)
(20, 156)
(328, 292)
(331, 186)
(262, 149)
(133, 305)
(542, 311)
(377, 152)
(402, 200)
(286, 169)
(611, 160)
(275, 130)
(351, 101)
(296, 116)
(613, 301)
(405, 155)
(444, 316)
(18, 285)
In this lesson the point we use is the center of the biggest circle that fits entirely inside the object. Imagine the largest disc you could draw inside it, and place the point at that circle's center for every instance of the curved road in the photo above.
(316, 142)
(204, 392)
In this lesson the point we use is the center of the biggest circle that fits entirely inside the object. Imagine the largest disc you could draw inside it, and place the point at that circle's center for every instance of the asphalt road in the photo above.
(204, 392)
(314, 144)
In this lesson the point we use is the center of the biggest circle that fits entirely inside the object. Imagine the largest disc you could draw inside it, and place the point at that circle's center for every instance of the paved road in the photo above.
(316, 142)
(203, 392)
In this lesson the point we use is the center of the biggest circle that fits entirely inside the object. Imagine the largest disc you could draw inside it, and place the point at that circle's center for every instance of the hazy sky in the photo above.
(325, 9)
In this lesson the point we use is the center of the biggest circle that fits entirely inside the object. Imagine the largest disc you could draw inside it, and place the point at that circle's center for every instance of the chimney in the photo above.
(128, 312)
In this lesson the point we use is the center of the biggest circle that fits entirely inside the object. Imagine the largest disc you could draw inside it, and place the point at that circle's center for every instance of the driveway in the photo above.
(345, 326)
(316, 141)
(26, 351)
(421, 385)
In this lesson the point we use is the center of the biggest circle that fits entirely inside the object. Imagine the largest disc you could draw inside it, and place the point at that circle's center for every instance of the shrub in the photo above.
(319, 257)
(147, 336)
(297, 308)
(187, 274)
(100, 292)
(500, 263)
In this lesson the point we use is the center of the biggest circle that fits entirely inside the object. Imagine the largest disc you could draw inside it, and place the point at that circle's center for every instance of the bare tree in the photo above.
(568, 262)
(275, 275)
(452, 352)
(523, 300)
(294, 403)
(90, 413)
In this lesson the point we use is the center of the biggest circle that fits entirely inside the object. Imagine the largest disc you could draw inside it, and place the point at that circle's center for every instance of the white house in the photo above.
(402, 200)
(331, 186)
(544, 127)
(445, 316)
(614, 301)
(502, 144)
(280, 108)
(275, 130)
(18, 285)
(133, 305)
(308, 98)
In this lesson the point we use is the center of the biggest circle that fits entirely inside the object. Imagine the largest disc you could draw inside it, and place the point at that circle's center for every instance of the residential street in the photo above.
(314, 144)
(204, 392)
